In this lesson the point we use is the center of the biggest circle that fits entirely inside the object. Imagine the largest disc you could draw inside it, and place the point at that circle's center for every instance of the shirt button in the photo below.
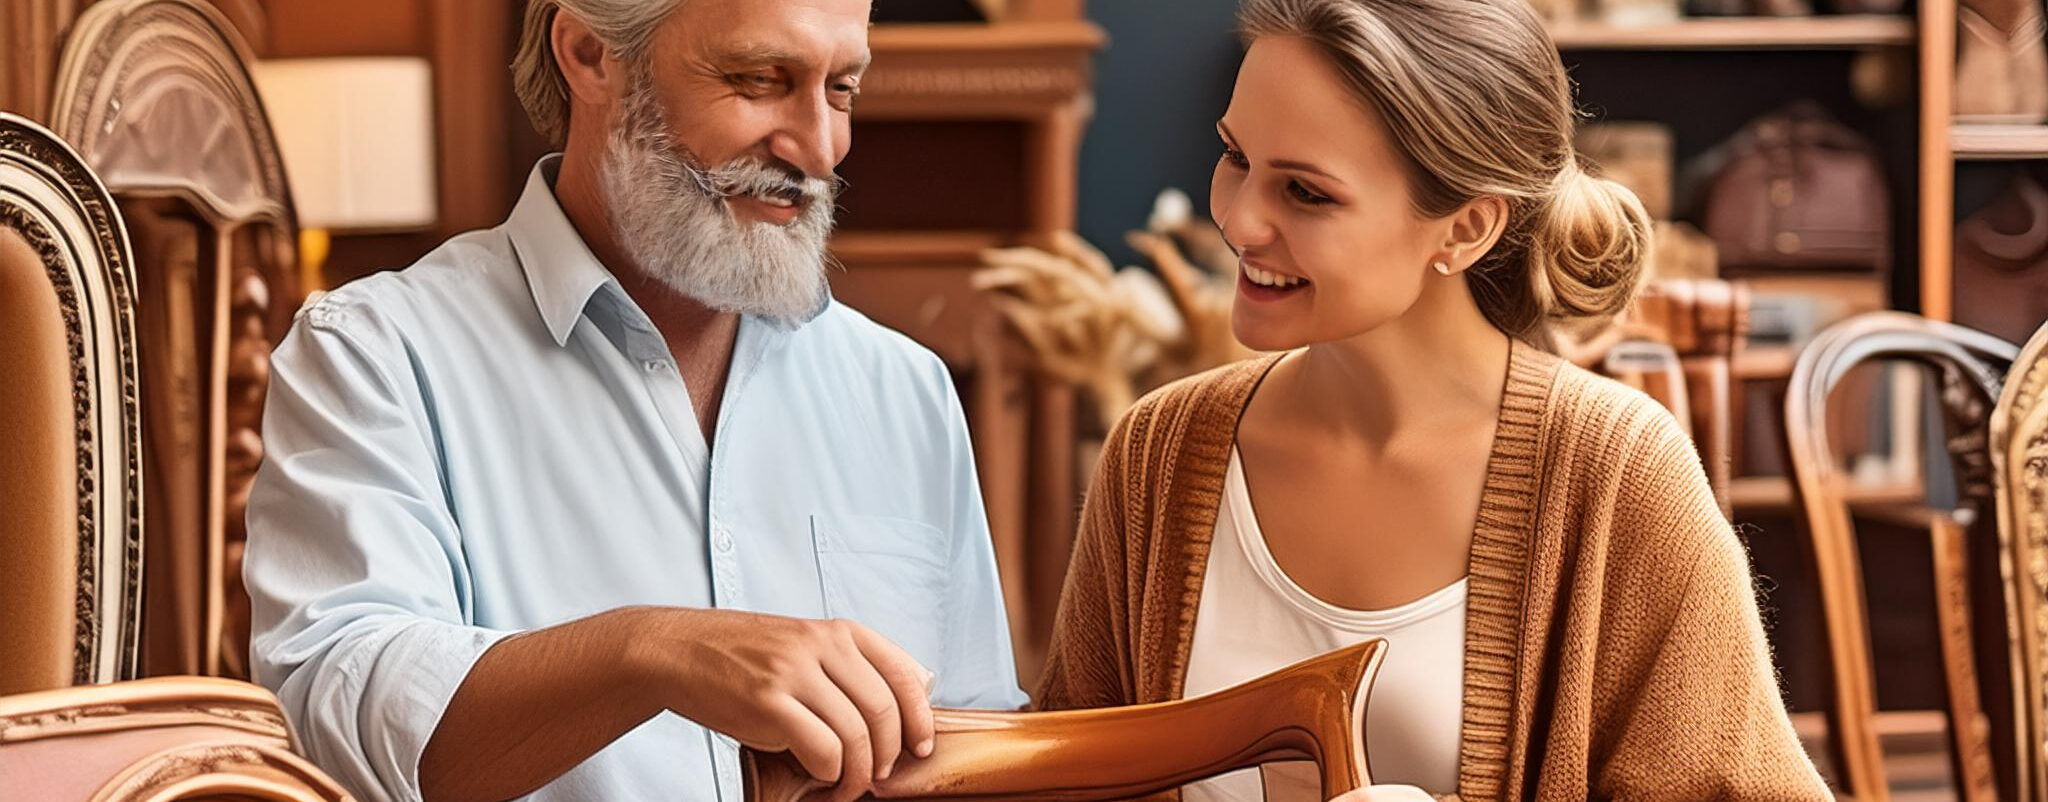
(656, 364)
(723, 541)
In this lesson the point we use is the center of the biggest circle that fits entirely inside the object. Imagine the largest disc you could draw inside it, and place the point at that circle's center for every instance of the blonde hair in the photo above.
(1478, 105)
(625, 26)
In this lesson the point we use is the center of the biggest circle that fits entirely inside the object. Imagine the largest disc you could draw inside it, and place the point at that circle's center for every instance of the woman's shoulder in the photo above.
(1612, 446)
(1212, 398)
(1593, 417)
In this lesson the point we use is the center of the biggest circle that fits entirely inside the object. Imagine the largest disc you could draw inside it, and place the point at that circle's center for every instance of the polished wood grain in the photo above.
(1314, 710)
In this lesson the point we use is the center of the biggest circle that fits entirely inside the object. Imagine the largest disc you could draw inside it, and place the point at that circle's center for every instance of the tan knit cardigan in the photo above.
(1612, 646)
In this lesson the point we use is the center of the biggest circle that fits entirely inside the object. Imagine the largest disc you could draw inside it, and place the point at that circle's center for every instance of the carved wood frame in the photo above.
(129, 68)
(54, 202)
(245, 750)
(1971, 367)
(2019, 463)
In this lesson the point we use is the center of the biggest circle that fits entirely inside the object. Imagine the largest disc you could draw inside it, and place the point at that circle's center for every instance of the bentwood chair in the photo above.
(1970, 368)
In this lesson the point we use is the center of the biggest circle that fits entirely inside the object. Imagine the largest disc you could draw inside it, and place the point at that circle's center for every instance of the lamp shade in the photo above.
(358, 139)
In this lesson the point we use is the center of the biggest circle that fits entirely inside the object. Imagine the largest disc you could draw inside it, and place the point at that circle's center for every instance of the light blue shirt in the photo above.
(496, 440)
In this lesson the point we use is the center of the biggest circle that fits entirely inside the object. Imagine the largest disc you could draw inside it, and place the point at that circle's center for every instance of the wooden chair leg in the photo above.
(1969, 730)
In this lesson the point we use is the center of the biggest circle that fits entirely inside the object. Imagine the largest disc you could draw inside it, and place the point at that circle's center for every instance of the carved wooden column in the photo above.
(156, 96)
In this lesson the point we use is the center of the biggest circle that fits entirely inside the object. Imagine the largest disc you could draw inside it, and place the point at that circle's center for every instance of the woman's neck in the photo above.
(1440, 364)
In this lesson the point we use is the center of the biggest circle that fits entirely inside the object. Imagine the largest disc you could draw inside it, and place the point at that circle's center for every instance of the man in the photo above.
(565, 507)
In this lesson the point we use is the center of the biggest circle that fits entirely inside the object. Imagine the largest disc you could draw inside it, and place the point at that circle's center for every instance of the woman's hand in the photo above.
(1388, 793)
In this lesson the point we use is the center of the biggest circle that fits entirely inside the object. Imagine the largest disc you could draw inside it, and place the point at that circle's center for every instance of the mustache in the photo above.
(762, 177)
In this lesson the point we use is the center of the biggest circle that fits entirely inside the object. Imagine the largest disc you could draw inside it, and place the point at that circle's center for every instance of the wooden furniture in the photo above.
(1705, 321)
(1313, 710)
(157, 740)
(968, 138)
(70, 443)
(1970, 367)
(156, 97)
(2019, 466)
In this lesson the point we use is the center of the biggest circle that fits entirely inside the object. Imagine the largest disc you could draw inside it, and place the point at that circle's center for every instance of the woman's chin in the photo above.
(1260, 334)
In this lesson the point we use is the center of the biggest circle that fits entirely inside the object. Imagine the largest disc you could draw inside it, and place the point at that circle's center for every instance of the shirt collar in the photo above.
(560, 270)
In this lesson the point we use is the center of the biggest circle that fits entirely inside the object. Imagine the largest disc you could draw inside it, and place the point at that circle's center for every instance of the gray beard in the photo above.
(671, 217)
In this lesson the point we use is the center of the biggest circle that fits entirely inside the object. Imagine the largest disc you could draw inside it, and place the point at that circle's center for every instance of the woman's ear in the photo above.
(586, 63)
(1474, 229)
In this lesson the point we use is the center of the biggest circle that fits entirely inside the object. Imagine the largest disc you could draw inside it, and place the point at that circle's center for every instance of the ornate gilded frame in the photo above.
(50, 198)
(156, 95)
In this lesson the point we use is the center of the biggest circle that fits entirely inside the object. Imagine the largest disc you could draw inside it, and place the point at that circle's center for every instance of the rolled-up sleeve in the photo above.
(359, 594)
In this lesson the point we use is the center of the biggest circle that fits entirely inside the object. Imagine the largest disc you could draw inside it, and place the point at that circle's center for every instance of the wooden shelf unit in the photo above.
(1856, 31)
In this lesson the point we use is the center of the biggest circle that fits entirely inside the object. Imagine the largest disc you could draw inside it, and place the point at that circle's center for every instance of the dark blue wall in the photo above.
(1159, 87)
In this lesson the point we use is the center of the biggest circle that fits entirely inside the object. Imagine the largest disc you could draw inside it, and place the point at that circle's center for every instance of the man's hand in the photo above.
(1387, 793)
(843, 700)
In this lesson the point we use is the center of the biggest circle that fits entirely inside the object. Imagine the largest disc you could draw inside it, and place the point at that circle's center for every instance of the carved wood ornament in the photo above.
(156, 96)
(2019, 465)
(155, 740)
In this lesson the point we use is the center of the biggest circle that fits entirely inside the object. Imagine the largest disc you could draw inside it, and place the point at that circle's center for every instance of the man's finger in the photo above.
(814, 745)
(857, 764)
(907, 680)
(875, 700)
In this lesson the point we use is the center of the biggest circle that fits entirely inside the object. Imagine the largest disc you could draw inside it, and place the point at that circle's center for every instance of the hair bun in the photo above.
(1588, 249)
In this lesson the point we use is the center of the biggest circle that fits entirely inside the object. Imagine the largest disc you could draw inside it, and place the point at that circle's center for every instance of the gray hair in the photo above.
(625, 26)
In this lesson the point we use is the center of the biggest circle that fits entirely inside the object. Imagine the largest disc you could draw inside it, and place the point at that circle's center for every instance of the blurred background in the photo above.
(1029, 199)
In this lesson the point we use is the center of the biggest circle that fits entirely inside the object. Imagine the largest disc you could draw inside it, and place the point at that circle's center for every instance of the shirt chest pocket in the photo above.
(889, 574)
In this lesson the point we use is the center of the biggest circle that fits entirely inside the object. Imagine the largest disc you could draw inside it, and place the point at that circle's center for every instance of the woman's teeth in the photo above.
(1267, 278)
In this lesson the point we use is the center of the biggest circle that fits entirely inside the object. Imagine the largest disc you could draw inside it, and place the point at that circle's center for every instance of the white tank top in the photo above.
(1253, 620)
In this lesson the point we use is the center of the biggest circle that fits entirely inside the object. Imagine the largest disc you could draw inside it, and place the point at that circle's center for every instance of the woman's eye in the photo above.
(1304, 195)
(1235, 158)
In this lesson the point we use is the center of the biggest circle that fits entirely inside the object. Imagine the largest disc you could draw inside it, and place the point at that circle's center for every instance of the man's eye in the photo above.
(755, 80)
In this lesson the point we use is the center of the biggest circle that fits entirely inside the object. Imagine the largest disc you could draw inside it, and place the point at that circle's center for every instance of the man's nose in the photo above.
(806, 138)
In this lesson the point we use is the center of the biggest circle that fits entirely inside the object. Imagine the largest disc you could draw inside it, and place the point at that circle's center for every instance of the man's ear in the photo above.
(587, 65)
(1474, 229)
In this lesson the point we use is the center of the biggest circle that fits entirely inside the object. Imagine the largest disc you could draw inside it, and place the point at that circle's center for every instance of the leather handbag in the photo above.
(2001, 267)
(1797, 190)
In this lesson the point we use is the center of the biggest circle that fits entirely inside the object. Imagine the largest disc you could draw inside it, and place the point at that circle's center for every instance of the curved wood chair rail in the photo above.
(1970, 366)
(1313, 710)
(2019, 461)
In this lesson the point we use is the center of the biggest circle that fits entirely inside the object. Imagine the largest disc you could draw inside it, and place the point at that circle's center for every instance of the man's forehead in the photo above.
(827, 33)
(765, 54)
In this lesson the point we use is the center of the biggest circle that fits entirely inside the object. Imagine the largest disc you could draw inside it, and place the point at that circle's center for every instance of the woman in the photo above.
(1569, 615)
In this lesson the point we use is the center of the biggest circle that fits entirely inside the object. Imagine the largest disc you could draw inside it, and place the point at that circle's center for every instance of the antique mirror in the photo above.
(156, 96)
(70, 442)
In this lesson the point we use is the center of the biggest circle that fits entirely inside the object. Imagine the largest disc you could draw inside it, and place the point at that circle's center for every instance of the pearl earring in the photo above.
(1442, 268)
